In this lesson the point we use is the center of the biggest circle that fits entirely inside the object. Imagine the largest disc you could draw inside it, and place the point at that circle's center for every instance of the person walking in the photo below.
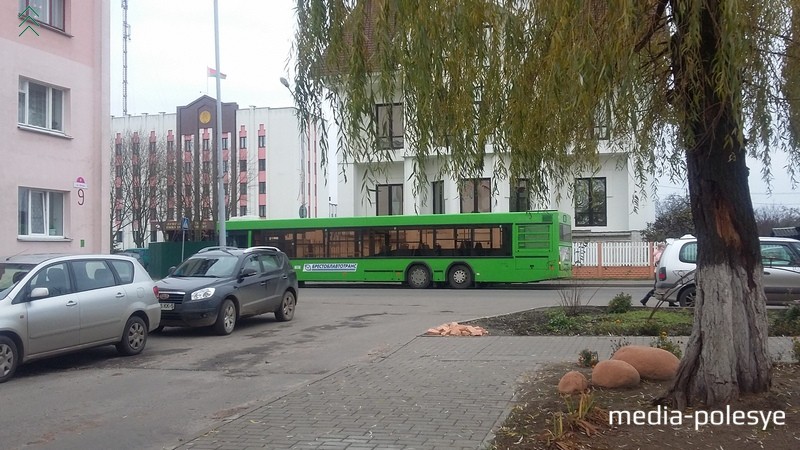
(656, 259)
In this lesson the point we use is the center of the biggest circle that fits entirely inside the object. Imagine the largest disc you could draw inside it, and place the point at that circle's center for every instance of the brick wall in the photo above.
(613, 273)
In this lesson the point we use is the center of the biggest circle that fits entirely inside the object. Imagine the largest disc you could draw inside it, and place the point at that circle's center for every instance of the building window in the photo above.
(262, 211)
(225, 166)
(153, 235)
(262, 141)
(590, 202)
(224, 143)
(242, 165)
(602, 123)
(243, 189)
(262, 165)
(206, 144)
(135, 148)
(50, 12)
(152, 147)
(243, 142)
(476, 195)
(118, 237)
(438, 197)
(41, 213)
(40, 106)
(170, 146)
(187, 166)
(243, 211)
(118, 149)
(206, 167)
(262, 187)
(390, 200)
(520, 196)
(390, 132)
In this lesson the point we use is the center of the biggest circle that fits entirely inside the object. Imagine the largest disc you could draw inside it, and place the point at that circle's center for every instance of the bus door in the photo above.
(532, 249)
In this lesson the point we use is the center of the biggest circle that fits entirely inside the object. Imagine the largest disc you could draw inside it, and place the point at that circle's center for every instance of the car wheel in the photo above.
(226, 319)
(687, 297)
(134, 338)
(285, 312)
(418, 277)
(460, 277)
(9, 358)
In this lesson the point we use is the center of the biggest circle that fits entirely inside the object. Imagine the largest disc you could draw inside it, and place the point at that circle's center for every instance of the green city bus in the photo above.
(457, 249)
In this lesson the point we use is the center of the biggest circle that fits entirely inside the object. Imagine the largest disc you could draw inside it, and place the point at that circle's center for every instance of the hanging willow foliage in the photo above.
(535, 78)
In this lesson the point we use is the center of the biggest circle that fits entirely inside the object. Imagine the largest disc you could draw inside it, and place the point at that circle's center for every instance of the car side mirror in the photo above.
(171, 270)
(248, 272)
(40, 292)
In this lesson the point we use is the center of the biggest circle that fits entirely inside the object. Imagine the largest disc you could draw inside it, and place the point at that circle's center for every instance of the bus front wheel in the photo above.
(418, 277)
(460, 277)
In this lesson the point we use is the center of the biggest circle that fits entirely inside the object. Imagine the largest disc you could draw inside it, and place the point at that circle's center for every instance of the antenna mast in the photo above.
(126, 36)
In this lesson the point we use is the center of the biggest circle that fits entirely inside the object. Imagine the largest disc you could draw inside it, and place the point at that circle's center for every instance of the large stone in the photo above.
(573, 382)
(614, 374)
(652, 363)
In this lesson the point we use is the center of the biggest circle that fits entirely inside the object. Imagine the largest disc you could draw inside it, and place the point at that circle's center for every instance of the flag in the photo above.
(213, 73)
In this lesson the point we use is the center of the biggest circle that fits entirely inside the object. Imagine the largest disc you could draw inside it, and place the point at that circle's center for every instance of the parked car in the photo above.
(779, 256)
(219, 285)
(54, 304)
(141, 254)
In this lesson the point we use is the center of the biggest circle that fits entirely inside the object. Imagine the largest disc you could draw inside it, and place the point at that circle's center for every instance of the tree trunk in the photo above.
(727, 353)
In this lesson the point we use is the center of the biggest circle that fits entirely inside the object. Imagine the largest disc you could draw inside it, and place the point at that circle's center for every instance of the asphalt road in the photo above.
(186, 380)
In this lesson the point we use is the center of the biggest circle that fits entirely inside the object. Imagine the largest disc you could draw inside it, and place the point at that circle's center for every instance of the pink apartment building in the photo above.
(54, 126)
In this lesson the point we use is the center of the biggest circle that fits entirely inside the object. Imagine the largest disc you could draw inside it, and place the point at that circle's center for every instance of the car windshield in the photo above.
(207, 266)
(796, 246)
(10, 274)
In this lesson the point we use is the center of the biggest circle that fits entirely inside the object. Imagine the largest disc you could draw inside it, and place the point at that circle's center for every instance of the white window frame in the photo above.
(52, 214)
(45, 10)
(24, 107)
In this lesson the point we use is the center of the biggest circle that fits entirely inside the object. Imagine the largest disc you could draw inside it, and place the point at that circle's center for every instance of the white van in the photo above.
(780, 257)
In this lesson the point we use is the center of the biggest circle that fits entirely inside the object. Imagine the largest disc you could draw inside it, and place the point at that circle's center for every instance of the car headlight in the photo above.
(202, 293)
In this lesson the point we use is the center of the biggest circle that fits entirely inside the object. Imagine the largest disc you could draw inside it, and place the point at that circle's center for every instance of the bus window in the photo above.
(310, 244)
(342, 244)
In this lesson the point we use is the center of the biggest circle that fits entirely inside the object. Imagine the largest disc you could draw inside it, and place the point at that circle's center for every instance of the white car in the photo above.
(779, 256)
(54, 304)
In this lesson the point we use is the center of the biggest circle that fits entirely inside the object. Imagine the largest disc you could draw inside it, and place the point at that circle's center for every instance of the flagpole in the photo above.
(218, 138)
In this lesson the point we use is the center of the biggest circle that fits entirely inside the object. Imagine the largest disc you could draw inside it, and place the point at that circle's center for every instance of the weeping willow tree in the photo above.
(686, 88)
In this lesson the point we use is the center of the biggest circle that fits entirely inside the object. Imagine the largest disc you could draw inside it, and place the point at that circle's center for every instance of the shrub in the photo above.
(587, 358)
(664, 342)
(560, 321)
(788, 322)
(650, 328)
(796, 349)
(620, 304)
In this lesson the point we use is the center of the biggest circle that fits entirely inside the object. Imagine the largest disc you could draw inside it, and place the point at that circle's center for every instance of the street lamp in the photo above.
(303, 212)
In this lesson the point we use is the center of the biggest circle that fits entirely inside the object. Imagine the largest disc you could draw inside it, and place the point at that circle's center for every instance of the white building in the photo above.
(278, 168)
(605, 209)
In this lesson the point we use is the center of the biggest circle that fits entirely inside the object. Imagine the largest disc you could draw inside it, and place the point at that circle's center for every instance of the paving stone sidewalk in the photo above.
(433, 393)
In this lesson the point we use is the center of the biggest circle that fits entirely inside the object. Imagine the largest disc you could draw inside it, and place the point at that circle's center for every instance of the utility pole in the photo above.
(218, 138)
(126, 36)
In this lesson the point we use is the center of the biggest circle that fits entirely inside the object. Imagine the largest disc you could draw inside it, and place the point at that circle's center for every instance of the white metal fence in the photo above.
(612, 253)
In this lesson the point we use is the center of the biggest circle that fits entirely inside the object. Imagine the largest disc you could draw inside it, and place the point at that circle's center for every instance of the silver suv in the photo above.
(54, 304)
(779, 256)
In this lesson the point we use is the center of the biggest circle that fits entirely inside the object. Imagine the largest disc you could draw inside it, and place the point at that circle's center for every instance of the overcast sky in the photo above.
(172, 44)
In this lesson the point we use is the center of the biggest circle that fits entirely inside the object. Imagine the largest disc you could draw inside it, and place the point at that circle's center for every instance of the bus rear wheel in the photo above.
(418, 276)
(460, 277)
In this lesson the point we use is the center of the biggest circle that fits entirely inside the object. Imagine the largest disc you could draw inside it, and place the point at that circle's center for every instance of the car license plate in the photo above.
(167, 306)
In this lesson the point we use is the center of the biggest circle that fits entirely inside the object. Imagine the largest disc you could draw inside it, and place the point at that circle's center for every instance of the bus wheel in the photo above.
(418, 277)
(460, 277)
